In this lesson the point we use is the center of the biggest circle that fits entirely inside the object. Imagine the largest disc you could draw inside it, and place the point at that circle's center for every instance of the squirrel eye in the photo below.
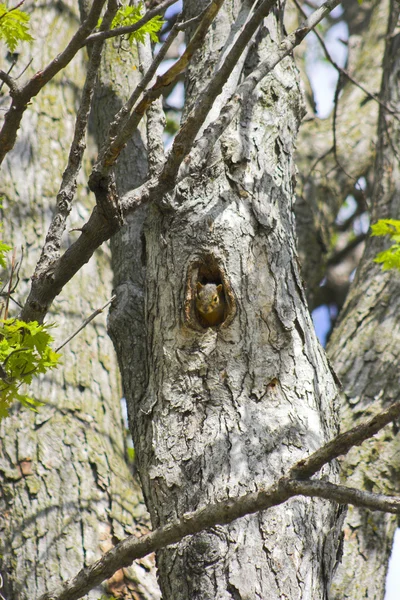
(215, 299)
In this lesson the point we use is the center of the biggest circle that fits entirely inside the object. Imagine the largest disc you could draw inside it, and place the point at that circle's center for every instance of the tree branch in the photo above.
(205, 144)
(101, 36)
(345, 73)
(343, 495)
(102, 224)
(342, 443)
(23, 95)
(86, 322)
(226, 511)
(187, 133)
(112, 149)
(10, 81)
(65, 196)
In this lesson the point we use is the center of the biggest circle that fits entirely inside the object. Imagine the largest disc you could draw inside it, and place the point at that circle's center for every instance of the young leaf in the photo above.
(14, 27)
(386, 227)
(129, 15)
(25, 352)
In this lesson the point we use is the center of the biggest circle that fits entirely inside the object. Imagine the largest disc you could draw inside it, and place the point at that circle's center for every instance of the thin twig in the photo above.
(94, 314)
(341, 254)
(10, 284)
(345, 73)
(24, 69)
(11, 9)
(15, 273)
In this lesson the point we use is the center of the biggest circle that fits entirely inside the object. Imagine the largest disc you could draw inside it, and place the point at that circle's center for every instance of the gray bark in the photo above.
(217, 412)
(66, 491)
(365, 353)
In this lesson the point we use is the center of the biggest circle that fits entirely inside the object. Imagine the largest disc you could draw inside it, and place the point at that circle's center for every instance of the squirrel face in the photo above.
(210, 304)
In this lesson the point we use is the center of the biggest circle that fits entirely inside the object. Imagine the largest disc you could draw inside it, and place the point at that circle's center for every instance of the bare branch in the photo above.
(122, 115)
(344, 495)
(225, 512)
(204, 145)
(345, 73)
(10, 81)
(94, 314)
(23, 95)
(341, 254)
(65, 196)
(186, 135)
(155, 121)
(342, 443)
(106, 35)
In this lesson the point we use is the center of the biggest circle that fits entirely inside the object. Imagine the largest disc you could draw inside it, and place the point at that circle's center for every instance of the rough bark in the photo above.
(365, 353)
(216, 412)
(66, 490)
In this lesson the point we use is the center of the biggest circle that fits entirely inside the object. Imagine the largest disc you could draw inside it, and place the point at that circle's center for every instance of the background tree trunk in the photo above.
(224, 411)
(331, 166)
(66, 491)
(365, 353)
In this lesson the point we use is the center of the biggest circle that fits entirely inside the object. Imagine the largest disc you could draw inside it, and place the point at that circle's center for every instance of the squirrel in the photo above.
(210, 304)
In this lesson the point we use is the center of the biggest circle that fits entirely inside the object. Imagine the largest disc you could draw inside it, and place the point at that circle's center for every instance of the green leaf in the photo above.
(14, 27)
(25, 352)
(390, 259)
(129, 15)
(386, 227)
(3, 249)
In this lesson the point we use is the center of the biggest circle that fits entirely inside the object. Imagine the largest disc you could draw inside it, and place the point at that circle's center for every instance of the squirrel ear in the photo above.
(219, 288)
(199, 286)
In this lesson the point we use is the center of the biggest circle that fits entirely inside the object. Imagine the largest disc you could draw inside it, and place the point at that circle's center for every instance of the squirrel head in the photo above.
(209, 297)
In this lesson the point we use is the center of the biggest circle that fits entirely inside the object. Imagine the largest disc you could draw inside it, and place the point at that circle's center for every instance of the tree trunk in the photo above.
(365, 352)
(227, 409)
(66, 490)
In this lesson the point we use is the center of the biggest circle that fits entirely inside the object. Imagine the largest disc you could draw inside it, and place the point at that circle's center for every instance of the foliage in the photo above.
(3, 249)
(24, 352)
(14, 27)
(129, 15)
(130, 455)
(390, 259)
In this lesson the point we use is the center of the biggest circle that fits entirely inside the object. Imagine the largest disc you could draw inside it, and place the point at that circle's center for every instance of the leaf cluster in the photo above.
(129, 15)
(390, 259)
(25, 352)
(14, 27)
